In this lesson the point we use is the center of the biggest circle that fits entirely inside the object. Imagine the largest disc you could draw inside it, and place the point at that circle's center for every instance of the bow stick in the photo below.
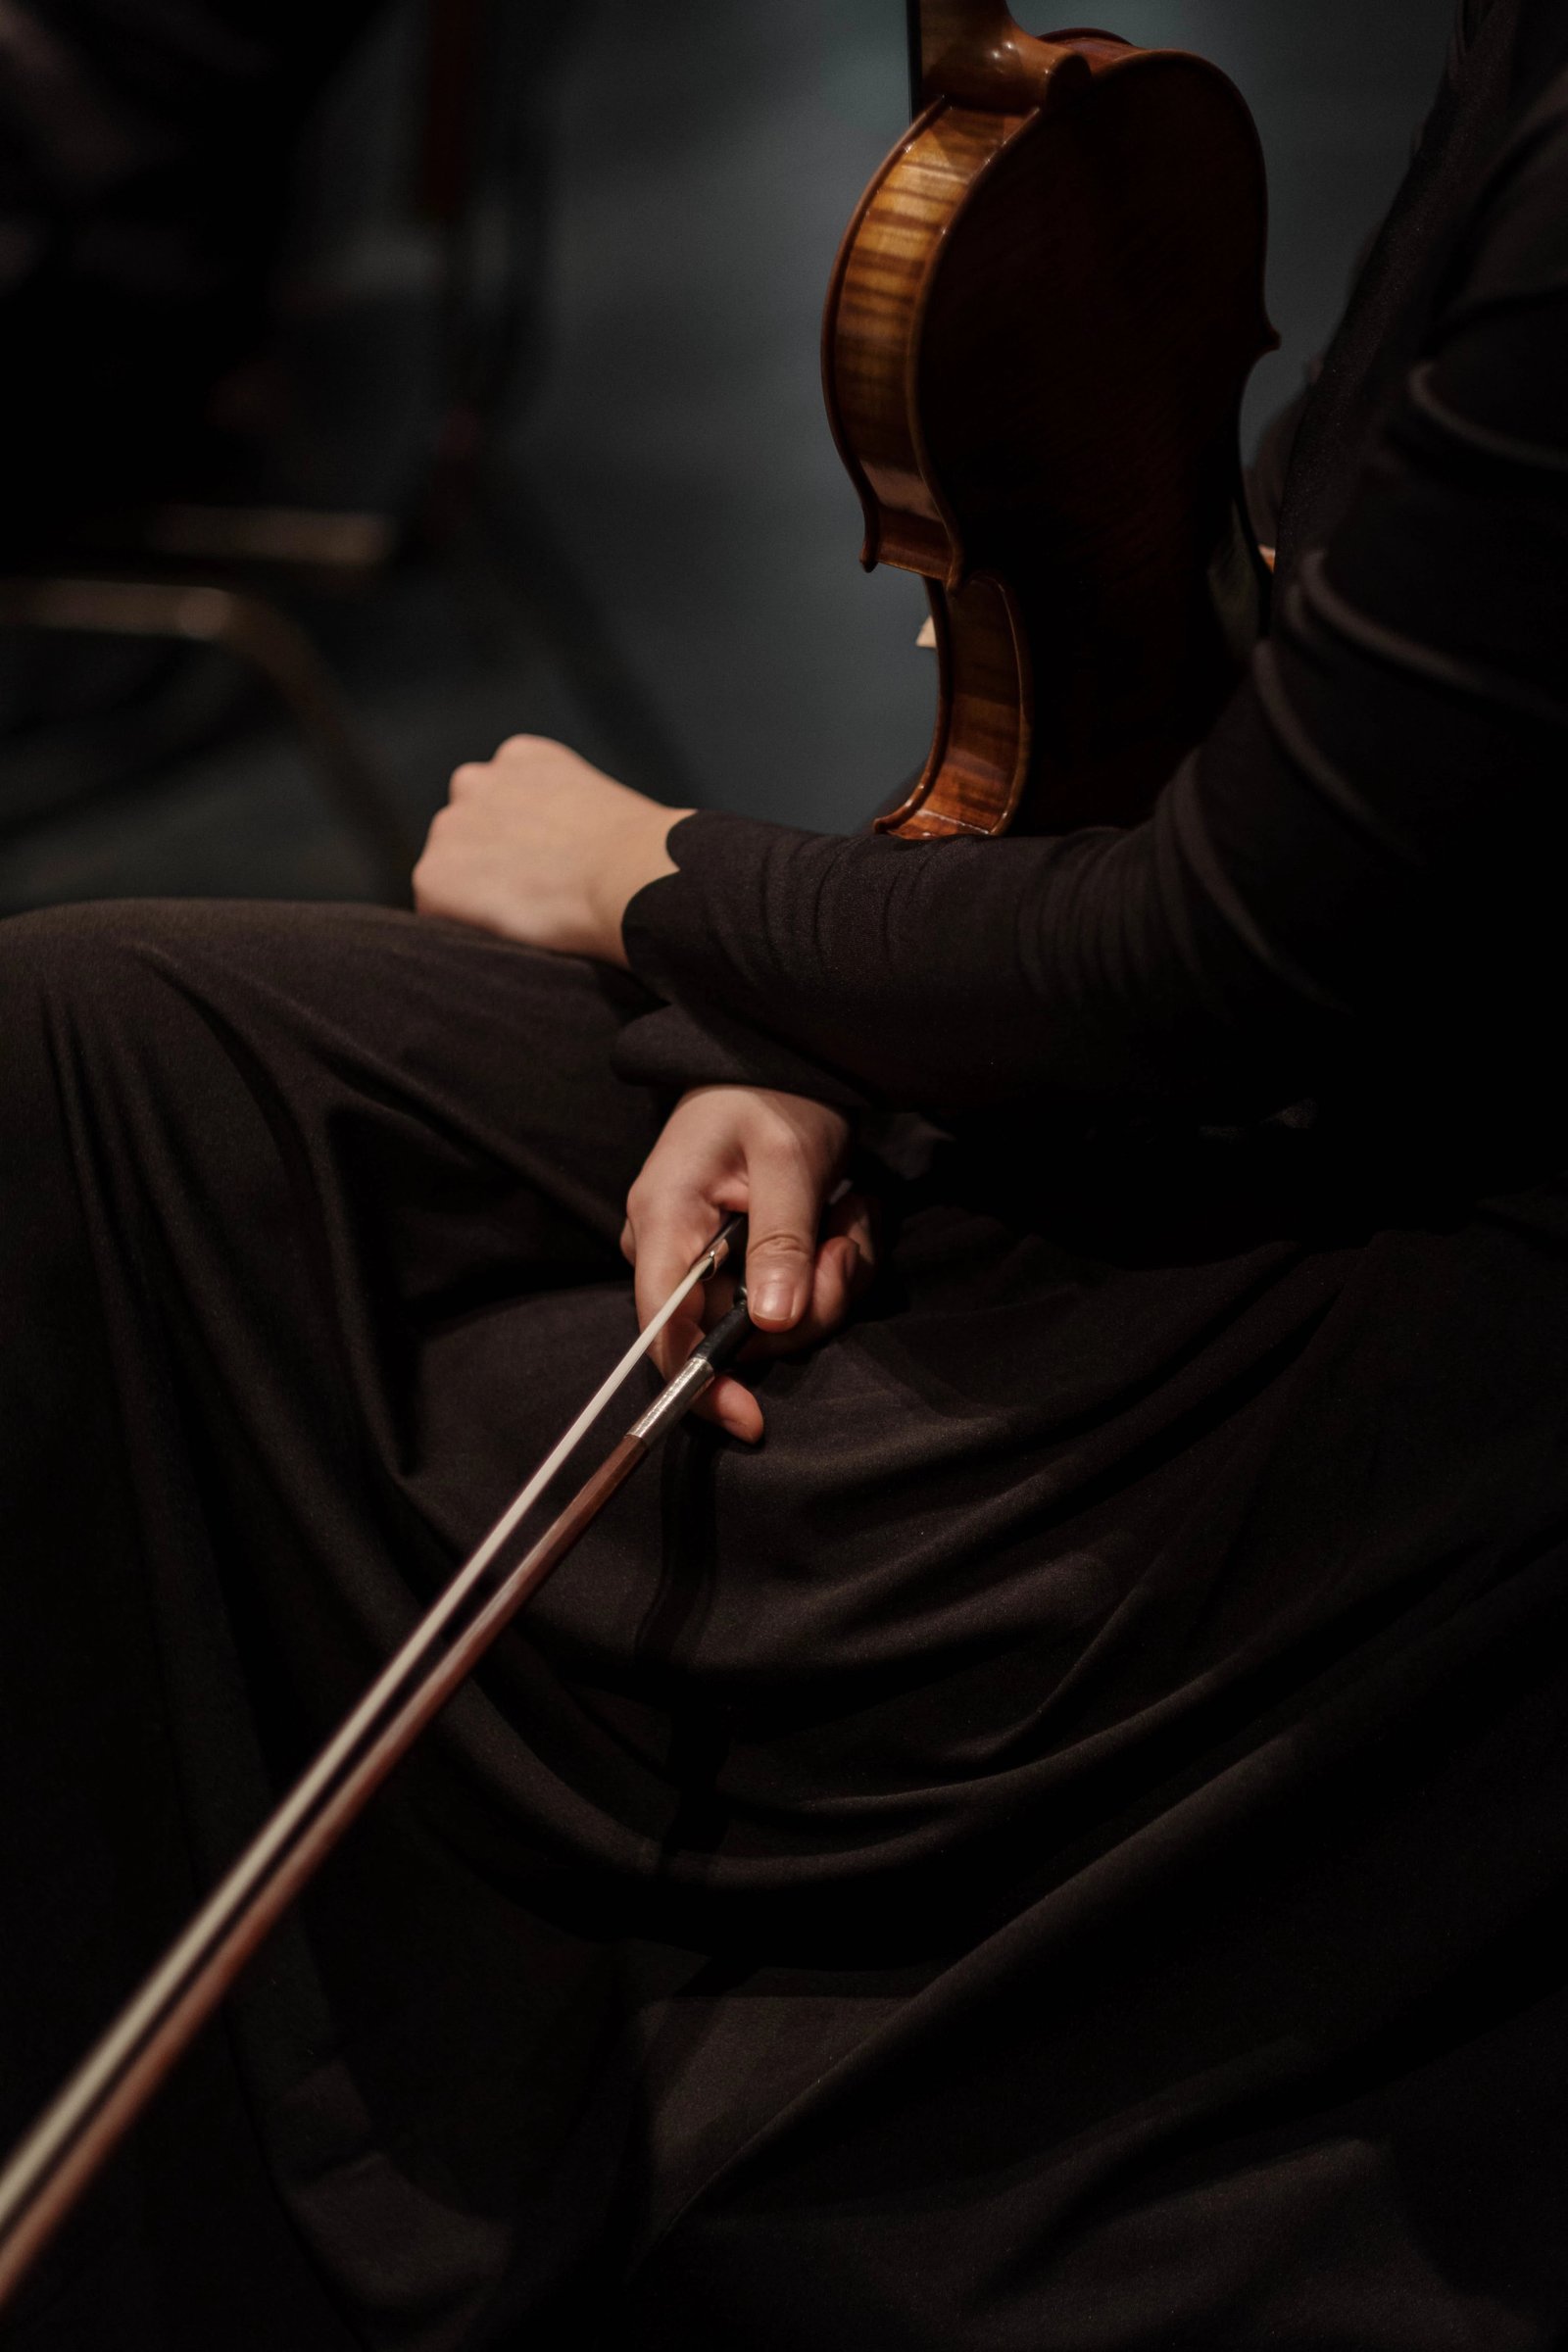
(103, 2099)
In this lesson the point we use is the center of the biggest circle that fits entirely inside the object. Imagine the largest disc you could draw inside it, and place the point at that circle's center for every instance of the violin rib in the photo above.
(1036, 339)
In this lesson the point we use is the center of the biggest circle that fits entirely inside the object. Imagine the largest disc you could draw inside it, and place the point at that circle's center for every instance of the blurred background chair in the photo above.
(154, 174)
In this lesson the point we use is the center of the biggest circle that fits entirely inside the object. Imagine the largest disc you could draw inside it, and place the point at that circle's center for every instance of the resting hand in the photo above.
(540, 846)
(776, 1156)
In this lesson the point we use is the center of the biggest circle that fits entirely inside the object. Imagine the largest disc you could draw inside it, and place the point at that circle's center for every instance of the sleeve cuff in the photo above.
(689, 1040)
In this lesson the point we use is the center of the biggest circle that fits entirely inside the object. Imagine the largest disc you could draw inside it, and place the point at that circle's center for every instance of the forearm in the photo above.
(945, 977)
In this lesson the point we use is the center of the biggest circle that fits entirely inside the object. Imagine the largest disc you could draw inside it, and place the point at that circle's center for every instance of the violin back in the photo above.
(1037, 336)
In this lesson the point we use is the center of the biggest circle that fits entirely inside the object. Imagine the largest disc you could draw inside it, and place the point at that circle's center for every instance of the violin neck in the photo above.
(972, 51)
(911, 22)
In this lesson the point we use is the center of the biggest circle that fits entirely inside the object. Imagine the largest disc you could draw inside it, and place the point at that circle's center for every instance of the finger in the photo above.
(667, 1241)
(730, 1403)
(842, 1272)
(785, 1203)
(846, 1265)
(834, 1282)
(832, 1286)
(665, 1244)
(861, 1272)
(628, 1243)
(853, 1215)
(675, 1345)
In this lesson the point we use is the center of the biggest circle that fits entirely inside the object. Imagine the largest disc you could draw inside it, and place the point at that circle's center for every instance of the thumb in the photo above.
(784, 1205)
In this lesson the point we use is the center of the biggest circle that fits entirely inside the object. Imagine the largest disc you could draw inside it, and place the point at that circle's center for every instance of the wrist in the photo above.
(641, 857)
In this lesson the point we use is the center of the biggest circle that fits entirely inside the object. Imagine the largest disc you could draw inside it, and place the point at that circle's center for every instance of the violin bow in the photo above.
(64, 2149)
(912, 23)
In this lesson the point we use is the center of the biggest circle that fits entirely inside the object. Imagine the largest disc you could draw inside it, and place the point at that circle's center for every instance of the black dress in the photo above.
(1064, 1844)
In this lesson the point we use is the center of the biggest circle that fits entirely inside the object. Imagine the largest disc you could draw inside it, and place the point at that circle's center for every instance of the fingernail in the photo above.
(773, 1299)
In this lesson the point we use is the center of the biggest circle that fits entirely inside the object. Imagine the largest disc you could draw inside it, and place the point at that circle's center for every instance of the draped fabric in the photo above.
(1063, 1843)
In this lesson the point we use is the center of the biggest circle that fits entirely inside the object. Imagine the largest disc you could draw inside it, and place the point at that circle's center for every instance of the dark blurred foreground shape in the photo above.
(470, 346)
(146, 153)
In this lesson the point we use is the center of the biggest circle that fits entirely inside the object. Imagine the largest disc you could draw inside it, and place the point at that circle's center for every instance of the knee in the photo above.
(86, 955)
(67, 948)
(54, 970)
(93, 979)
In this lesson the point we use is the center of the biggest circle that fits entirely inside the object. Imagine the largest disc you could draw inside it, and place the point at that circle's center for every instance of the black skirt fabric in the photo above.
(1062, 1845)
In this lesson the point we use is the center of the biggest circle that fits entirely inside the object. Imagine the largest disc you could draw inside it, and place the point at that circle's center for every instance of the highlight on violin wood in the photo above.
(1037, 335)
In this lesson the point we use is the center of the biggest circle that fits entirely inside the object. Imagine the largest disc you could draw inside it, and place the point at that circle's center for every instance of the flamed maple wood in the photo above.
(1037, 335)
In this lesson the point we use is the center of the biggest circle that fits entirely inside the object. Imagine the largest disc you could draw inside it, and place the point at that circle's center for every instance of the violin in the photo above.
(1036, 338)
(1037, 331)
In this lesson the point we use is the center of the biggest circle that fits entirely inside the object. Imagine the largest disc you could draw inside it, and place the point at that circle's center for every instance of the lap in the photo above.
(495, 1054)
(1097, 1554)
(366, 1175)
(367, 1172)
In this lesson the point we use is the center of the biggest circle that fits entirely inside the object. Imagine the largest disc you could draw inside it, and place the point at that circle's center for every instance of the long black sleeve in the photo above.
(1360, 863)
